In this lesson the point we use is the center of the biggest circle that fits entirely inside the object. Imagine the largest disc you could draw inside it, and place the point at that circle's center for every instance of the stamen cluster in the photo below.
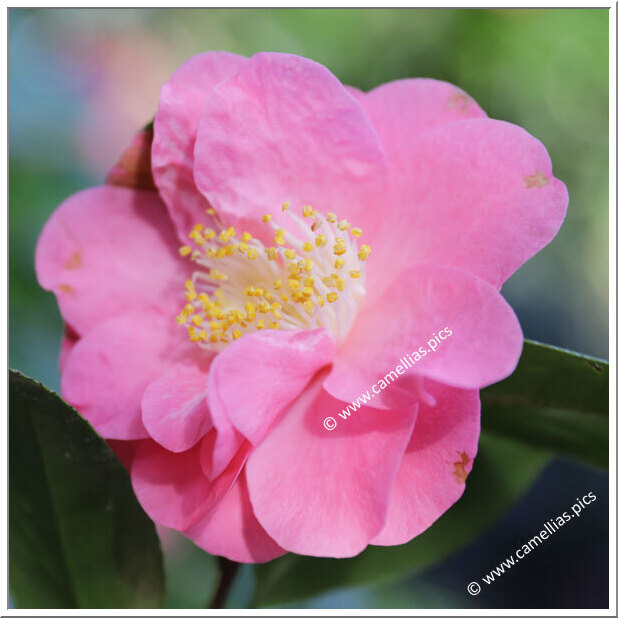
(313, 277)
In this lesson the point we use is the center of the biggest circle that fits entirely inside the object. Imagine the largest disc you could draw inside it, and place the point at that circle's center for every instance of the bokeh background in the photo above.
(82, 81)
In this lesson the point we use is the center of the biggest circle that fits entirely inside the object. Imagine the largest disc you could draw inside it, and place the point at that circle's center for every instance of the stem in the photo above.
(228, 570)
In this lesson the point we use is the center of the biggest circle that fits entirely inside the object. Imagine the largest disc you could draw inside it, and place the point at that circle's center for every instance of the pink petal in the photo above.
(231, 529)
(326, 493)
(484, 346)
(253, 380)
(109, 250)
(435, 466)
(174, 408)
(476, 194)
(220, 446)
(357, 93)
(108, 370)
(172, 488)
(284, 128)
(403, 110)
(175, 126)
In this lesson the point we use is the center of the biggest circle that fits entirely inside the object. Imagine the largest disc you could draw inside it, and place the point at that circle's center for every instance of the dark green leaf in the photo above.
(556, 400)
(191, 575)
(503, 469)
(77, 535)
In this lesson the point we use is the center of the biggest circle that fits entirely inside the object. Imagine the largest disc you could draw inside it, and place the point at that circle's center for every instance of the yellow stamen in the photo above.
(339, 248)
(364, 252)
(278, 293)
(280, 236)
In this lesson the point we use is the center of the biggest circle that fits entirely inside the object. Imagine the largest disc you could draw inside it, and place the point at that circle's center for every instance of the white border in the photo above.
(355, 612)
(612, 308)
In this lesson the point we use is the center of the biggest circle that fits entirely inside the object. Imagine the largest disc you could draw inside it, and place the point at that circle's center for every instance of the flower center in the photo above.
(311, 278)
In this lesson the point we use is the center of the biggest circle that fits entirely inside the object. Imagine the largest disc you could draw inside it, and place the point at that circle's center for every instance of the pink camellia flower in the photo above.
(302, 238)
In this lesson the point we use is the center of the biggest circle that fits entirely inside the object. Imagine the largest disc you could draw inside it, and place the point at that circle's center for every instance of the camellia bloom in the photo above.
(300, 237)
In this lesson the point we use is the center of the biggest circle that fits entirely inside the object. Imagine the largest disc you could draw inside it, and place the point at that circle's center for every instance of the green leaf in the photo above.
(556, 400)
(191, 574)
(77, 535)
(503, 469)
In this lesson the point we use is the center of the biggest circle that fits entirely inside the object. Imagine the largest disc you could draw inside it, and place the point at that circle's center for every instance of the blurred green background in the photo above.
(82, 81)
